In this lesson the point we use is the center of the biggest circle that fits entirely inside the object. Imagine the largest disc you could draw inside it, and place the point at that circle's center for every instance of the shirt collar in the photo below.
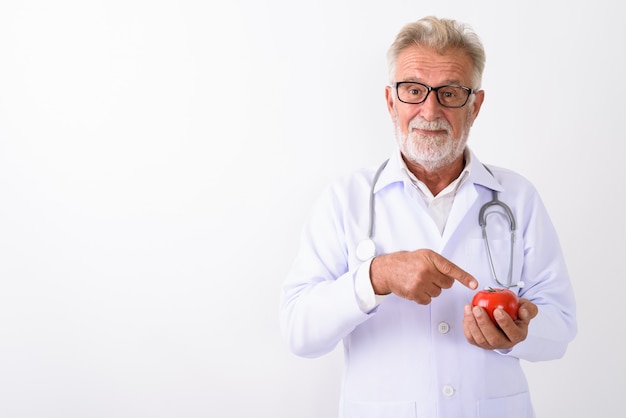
(474, 172)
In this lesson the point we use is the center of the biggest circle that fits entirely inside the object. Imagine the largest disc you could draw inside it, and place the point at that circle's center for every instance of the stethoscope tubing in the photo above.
(366, 249)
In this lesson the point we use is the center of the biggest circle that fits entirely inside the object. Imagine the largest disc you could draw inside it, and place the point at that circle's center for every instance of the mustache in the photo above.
(435, 125)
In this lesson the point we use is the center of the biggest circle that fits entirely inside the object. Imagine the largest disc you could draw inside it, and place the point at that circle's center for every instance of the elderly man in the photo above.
(392, 256)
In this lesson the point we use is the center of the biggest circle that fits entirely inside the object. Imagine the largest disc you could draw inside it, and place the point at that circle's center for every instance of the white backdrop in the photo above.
(158, 159)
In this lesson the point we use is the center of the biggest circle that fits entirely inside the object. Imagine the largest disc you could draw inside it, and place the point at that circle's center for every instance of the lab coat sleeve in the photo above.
(547, 284)
(318, 306)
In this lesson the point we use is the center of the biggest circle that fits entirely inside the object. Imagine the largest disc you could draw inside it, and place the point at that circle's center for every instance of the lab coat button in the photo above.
(443, 328)
(448, 390)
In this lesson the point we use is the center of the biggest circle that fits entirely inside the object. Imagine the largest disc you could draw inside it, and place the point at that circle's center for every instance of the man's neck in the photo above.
(439, 179)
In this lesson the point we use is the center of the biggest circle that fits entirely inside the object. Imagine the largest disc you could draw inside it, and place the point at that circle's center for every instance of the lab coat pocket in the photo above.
(516, 406)
(379, 410)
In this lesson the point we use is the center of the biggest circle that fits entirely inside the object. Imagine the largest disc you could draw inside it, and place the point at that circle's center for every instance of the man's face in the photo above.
(428, 133)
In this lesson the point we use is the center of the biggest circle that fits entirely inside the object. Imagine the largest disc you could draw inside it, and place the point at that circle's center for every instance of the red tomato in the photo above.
(490, 299)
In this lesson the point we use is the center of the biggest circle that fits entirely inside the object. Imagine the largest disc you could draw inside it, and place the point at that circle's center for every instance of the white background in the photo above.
(158, 159)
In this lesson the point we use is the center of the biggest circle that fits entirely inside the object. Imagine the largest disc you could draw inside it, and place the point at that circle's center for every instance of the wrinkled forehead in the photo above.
(427, 65)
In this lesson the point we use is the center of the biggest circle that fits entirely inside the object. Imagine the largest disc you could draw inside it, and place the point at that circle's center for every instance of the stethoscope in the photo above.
(366, 249)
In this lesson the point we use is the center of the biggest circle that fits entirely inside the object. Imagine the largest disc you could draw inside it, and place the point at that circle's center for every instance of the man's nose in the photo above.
(430, 109)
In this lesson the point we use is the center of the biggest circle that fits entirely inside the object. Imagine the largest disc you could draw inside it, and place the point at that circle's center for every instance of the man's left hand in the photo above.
(481, 332)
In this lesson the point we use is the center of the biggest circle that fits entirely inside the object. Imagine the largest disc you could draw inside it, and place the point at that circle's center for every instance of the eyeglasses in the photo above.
(448, 96)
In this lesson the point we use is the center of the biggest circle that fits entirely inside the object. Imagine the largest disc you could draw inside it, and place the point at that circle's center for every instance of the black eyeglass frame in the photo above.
(470, 91)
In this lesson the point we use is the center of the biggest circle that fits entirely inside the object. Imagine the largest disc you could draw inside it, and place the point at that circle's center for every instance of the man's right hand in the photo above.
(416, 275)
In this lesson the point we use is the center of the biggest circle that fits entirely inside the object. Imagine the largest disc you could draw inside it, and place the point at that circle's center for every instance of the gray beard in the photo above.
(431, 152)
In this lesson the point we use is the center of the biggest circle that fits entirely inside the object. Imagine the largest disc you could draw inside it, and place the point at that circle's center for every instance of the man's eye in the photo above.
(416, 90)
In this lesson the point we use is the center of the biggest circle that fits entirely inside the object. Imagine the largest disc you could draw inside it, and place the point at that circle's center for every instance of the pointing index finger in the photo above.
(466, 279)
(453, 271)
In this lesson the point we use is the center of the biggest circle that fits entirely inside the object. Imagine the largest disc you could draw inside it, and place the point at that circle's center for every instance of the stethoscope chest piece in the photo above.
(365, 250)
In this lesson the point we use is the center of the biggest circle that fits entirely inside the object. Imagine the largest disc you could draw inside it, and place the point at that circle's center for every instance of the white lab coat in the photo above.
(405, 360)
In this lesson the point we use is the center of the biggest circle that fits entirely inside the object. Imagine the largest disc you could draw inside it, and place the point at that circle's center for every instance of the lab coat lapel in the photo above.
(465, 197)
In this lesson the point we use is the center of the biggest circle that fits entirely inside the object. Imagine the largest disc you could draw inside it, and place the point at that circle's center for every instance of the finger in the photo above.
(469, 325)
(472, 330)
(527, 310)
(423, 299)
(432, 289)
(485, 328)
(505, 322)
(513, 332)
(449, 269)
